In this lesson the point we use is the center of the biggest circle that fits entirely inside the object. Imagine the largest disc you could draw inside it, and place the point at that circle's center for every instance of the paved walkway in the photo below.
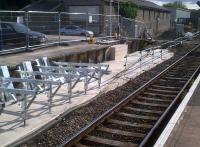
(11, 129)
(187, 131)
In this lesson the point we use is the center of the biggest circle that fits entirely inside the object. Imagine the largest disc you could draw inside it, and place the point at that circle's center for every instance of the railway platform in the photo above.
(186, 132)
(12, 133)
(183, 129)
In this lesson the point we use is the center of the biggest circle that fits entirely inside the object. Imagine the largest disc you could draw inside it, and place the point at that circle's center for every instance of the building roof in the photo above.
(41, 5)
(44, 5)
(186, 10)
(146, 4)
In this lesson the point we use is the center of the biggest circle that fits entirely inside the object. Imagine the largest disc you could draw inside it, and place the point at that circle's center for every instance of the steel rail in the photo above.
(108, 113)
(150, 138)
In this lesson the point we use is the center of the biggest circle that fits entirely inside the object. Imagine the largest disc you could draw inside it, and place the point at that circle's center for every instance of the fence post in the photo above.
(141, 60)
(27, 35)
(59, 25)
(86, 24)
(1, 39)
(111, 17)
(119, 25)
(86, 21)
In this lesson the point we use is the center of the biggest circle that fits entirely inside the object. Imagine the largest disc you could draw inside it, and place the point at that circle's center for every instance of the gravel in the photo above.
(74, 121)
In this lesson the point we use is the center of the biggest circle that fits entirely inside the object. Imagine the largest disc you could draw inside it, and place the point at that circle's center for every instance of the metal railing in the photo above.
(155, 52)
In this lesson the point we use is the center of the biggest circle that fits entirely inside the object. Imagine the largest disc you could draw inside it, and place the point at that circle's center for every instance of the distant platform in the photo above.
(54, 51)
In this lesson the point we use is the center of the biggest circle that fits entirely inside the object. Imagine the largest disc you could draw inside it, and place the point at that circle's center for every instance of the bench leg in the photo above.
(70, 90)
(50, 97)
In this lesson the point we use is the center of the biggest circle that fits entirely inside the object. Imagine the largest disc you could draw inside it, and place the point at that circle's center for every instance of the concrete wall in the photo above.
(139, 15)
(149, 17)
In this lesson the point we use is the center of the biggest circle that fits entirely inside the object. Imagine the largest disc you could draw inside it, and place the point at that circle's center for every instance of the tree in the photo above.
(176, 4)
(128, 9)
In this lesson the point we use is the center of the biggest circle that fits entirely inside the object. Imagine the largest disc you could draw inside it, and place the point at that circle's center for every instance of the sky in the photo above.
(191, 4)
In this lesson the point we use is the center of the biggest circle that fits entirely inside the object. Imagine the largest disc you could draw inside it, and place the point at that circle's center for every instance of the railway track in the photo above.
(139, 119)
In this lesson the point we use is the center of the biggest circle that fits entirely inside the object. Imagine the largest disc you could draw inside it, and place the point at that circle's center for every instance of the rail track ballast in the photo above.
(139, 119)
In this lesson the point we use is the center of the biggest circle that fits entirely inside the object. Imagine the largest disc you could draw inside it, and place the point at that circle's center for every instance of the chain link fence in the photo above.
(131, 28)
(21, 31)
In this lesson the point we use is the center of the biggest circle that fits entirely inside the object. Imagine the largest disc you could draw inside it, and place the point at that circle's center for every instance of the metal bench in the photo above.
(84, 72)
(96, 71)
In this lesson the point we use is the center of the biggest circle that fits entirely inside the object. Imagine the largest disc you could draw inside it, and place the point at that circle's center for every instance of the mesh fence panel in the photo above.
(72, 27)
(12, 31)
(131, 28)
(29, 30)
(44, 26)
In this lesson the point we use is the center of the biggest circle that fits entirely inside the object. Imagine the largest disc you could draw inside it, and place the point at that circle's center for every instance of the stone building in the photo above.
(179, 16)
(155, 17)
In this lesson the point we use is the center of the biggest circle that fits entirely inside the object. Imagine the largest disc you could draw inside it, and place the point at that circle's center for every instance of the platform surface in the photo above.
(11, 129)
(187, 132)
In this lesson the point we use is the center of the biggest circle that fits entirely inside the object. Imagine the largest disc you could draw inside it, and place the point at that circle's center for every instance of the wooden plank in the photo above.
(153, 99)
(176, 71)
(167, 91)
(173, 75)
(149, 104)
(143, 110)
(126, 123)
(137, 116)
(165, 80)
(120, 132)
(165, 87)
(176, 78)
(190, 67)
(80, 145)
(159, 94)
(110, 142)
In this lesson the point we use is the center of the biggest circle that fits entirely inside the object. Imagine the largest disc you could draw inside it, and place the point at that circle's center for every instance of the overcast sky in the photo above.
(191, 4)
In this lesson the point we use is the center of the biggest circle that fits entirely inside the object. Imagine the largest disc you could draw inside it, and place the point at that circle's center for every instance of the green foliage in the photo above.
(128, 9)
(176, 4)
